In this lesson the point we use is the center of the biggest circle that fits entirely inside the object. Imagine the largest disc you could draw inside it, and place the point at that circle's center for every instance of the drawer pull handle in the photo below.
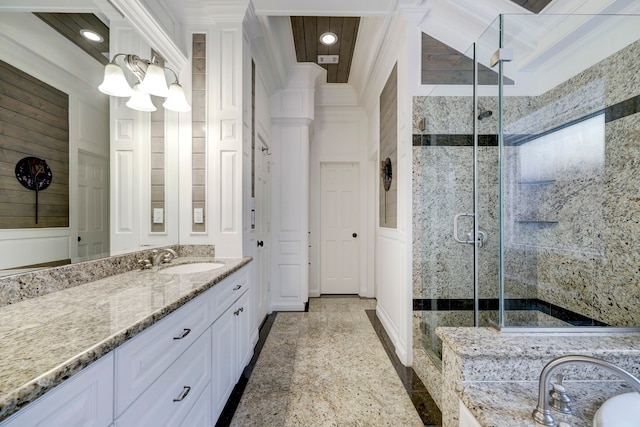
(183, 334)
(241, 309)
(237, 287)
(236, 313)
(184, 393)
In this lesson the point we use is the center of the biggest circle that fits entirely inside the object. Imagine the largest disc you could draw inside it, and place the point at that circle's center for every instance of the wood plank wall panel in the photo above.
(158, 157)
(389, 149)
(158, 164)
(199, 133)
(442, 64)
(534, 6)
(34, 121)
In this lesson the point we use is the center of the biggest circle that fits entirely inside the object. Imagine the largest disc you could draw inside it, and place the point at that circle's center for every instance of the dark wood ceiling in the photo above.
(70, 24)
(534, 6)
(306, 36)
(442, 64)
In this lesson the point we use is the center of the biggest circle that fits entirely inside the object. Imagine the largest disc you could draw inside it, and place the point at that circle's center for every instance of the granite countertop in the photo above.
(508, 404)
(45, 340)
(472, 342)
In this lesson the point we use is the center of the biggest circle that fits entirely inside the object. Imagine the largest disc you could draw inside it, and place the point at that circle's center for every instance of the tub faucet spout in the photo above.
(542, 414)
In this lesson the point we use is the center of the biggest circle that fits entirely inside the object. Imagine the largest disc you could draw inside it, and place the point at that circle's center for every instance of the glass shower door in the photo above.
(444, 191)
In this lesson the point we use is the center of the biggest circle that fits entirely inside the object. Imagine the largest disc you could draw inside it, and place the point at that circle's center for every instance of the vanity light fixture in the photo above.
(151, 81)
(328, 38)
(91, 35)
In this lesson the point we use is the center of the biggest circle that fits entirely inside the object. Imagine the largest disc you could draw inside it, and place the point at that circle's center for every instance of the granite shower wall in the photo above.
(583, 257)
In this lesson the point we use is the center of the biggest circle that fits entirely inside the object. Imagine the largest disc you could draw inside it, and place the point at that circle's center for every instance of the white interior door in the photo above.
(93, 206)
(339, 228)
(262, 221)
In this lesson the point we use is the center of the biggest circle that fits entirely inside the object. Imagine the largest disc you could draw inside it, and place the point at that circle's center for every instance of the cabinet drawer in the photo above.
(140, 361)
(83, 400)
(200, 414)
(168, 400)
(229, 291)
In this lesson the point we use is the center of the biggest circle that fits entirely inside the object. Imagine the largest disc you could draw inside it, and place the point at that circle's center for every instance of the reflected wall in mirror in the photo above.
(123, 175)
(31, 46)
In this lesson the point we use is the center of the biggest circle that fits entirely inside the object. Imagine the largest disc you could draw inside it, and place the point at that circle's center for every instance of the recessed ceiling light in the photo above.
(328, 38)
(91, 35)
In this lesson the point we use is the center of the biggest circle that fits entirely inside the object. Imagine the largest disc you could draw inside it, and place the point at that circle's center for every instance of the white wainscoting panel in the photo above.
(124, 192)
(228, 191)
(230, 39)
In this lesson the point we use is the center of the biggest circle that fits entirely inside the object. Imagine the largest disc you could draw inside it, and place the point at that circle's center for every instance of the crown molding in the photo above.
(144, 22)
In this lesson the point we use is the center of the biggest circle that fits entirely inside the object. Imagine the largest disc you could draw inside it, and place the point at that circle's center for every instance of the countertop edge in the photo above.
(20, 397)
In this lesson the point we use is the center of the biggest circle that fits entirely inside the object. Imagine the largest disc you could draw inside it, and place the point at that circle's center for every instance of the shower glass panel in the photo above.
(443, 190)
(570, 170)
(544, 152)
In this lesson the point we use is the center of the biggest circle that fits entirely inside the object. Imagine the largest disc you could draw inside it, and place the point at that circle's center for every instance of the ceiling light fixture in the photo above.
(151, 81)
(328, 38)
(91, 35)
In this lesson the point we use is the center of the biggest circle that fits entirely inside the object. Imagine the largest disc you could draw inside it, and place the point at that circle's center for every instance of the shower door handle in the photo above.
(455, 228)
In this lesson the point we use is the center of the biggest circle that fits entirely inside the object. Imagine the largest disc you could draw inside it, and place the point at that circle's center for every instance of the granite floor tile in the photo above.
(261, 410)
(325, 367)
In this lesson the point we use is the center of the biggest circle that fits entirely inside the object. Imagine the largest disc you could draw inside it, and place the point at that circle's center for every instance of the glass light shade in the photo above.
(115, 83)
(176, 101)
(140, 100)
(154, 82)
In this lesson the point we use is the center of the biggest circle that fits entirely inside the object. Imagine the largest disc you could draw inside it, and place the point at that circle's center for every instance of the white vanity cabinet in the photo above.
(163, 385)
(231, 350)
(86, 399)
(141, 360)
(178, 372)
(170, 398)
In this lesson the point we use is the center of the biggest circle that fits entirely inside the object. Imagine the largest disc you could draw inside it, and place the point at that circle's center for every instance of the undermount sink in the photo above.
(622, 410)
(196, 267)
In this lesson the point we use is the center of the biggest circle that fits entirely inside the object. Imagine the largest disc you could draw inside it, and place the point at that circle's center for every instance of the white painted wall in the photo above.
(292, 112)
(393, 246)
(30, 45)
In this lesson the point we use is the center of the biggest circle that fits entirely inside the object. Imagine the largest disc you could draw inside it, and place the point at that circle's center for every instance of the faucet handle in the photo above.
(144, 263)
(559, 398)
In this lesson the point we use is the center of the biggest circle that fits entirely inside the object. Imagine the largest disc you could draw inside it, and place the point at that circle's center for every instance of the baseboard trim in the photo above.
(394, 335)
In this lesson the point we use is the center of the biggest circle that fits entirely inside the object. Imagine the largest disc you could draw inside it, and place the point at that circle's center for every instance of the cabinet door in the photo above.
(84, 400)
(242, 312)
(223, 356)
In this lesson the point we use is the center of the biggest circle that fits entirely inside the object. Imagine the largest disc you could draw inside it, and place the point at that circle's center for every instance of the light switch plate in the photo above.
(158, 215)
(198, 216)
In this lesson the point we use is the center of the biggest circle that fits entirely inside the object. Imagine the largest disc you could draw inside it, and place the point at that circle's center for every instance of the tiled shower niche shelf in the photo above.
(537, 182)
(535, 221)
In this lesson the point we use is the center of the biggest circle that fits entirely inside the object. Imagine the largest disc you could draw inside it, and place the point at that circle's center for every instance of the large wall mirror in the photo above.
(49, 70)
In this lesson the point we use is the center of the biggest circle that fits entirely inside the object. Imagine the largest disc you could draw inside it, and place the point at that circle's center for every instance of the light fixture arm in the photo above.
(138, 66)
(175, 75)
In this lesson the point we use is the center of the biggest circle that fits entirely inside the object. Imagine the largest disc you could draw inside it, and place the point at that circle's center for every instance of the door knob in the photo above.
(260, 243)
(354, 235)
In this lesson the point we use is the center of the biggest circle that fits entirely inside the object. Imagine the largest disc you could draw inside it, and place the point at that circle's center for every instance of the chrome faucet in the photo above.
(157, 257)
(542, 414)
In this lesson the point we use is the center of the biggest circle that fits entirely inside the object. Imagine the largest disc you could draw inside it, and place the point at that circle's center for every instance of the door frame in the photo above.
(362, 289)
